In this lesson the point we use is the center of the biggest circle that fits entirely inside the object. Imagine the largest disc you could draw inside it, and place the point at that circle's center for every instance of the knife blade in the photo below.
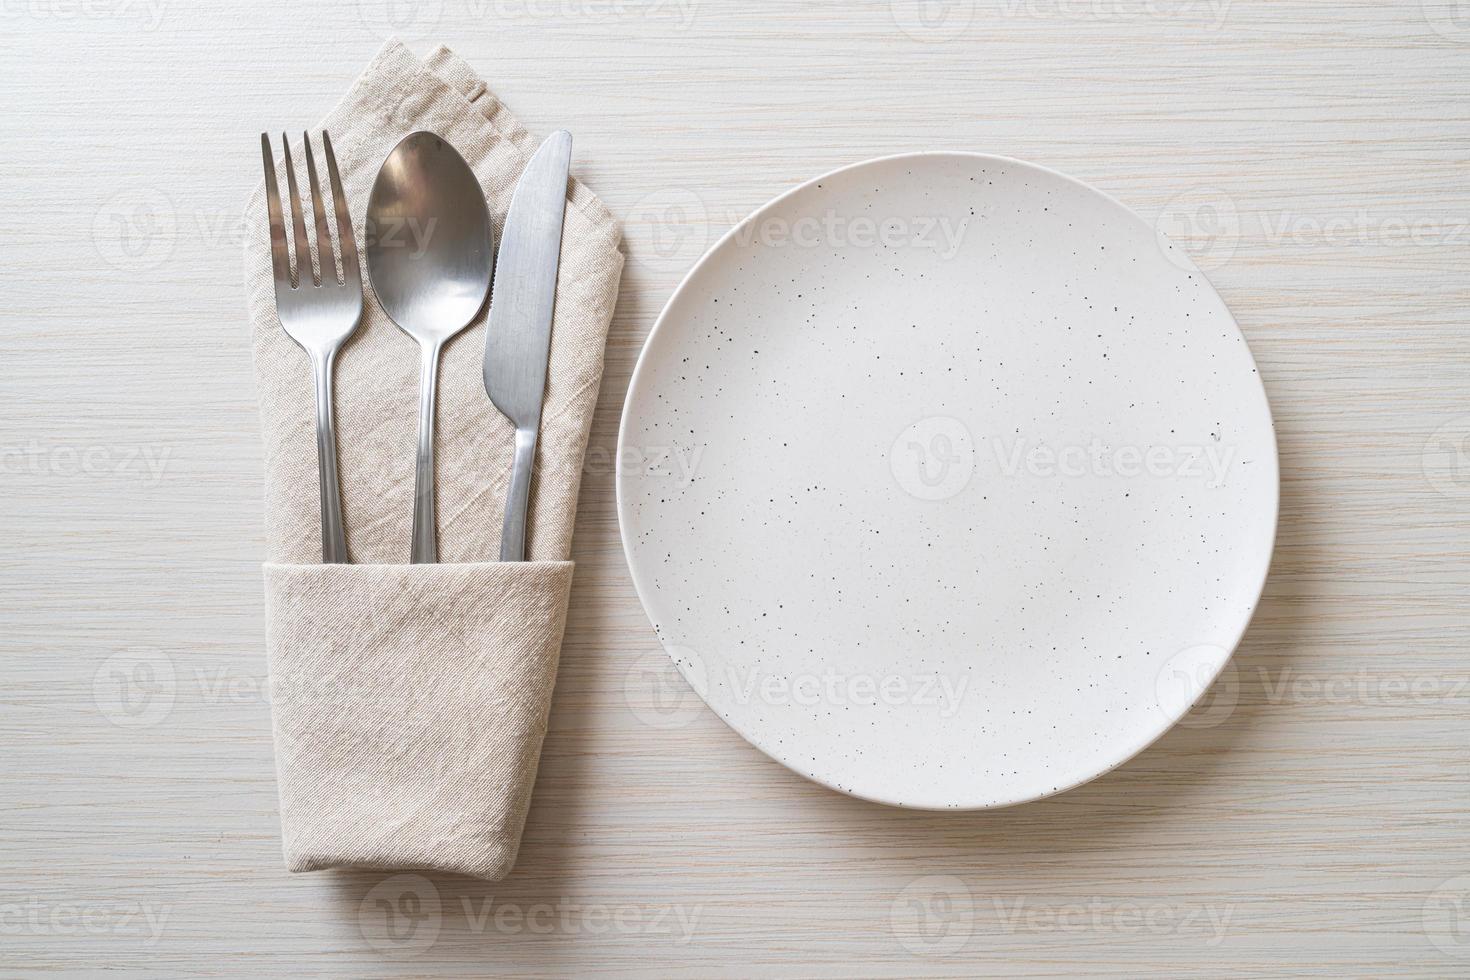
(518, 332)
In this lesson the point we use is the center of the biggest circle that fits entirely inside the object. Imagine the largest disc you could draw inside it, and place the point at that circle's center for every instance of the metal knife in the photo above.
(518, 334)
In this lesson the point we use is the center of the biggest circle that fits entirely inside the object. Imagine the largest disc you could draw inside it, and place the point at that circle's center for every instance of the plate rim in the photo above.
(640, 369)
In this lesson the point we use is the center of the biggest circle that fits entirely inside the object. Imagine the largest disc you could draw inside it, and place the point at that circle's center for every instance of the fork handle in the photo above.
(424, 548)
(334, 542)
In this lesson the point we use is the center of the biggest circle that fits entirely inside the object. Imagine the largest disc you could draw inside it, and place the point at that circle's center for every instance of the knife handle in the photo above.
(518, 498)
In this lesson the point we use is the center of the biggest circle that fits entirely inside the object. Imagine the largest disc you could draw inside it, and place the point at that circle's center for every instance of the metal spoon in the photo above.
(430, 249)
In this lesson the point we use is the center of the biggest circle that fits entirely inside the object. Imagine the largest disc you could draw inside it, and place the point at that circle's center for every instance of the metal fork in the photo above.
(317, 308)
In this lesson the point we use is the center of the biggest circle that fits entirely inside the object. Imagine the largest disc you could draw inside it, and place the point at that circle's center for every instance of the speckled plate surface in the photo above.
(946, 482)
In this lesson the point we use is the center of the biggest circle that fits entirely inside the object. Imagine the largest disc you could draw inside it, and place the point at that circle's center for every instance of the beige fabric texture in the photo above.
(409, 701)
(409, 704)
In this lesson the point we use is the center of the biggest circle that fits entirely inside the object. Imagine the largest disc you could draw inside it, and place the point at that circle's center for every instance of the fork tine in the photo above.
(346, 242)
(280, 263)
(304, 273)
(326, 261)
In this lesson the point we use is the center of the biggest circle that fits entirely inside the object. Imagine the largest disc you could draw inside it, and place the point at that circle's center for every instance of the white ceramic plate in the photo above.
(946, 482)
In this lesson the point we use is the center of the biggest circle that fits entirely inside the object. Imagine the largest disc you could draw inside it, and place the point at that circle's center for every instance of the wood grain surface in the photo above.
(1310, 816)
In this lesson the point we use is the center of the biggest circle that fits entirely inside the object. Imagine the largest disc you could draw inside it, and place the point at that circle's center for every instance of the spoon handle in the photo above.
(424, 548)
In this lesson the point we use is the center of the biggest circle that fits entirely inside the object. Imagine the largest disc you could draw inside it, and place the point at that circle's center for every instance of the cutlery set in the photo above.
(430, 245)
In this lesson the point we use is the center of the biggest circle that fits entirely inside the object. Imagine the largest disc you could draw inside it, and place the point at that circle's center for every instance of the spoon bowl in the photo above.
(430, 256)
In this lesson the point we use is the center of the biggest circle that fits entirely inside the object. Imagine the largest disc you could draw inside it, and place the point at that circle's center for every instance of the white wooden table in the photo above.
(1312, 816)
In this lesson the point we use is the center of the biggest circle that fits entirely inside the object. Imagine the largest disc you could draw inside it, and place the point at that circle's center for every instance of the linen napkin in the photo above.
(409, 702)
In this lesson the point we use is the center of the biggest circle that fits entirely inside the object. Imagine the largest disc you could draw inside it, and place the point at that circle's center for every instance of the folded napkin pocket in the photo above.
(409, 704)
